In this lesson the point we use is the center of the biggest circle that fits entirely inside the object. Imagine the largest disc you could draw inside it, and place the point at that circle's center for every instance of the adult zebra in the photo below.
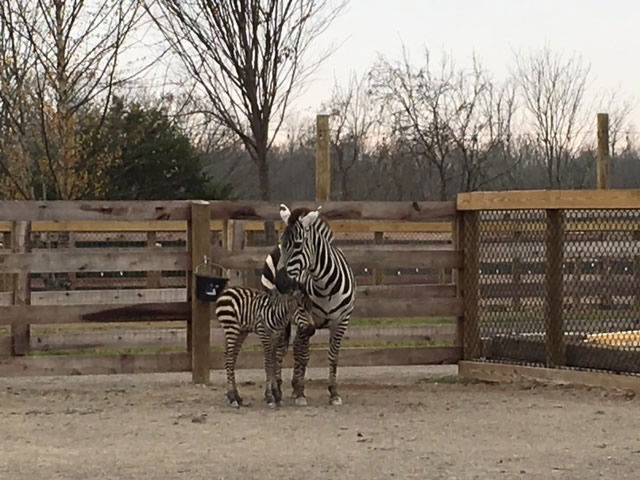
(307, 257)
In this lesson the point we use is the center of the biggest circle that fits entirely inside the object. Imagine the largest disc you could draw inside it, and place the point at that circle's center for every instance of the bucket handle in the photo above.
(206, 263)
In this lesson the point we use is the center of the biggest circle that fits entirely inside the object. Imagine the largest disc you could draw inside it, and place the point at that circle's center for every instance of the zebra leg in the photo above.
(269, 348)
(233, 343)
(281, 350)
(335, 339)
(300, 361)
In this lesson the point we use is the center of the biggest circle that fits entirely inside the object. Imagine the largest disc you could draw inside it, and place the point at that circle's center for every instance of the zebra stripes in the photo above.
(307, 256)
(242, 310)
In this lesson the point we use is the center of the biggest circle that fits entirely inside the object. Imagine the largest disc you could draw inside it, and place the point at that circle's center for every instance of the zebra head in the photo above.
(301, 224)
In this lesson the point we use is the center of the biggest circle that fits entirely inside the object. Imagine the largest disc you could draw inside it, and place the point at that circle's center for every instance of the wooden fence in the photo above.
(507, 290)
(152, 319)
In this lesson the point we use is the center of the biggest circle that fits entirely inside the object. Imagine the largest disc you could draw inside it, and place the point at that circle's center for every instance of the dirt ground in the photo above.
(398, 422)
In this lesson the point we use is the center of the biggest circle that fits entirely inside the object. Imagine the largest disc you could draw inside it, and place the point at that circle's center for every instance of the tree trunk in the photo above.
(265, 193)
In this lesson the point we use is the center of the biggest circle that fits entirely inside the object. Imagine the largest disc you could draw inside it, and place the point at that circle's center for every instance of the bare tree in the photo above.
(553, 88)
(247, 58)
(456, 121)
(72, 48)
(414, 100)
(354, 117)
(17, 169)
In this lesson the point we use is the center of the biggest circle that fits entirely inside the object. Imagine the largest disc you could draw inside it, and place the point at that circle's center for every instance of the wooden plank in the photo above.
(357, 357)
(96, 260)
(21, 331)
(403, 307)
(381, 256)
(580, 355)
(600, 225)
(6, 298)
(5, 346)
(323, 159)
(176, 337)
(199, 338)
(390, 227)
(554, 298)
(574, 288)
(55, 314)
(496, 372)
(338, 226)
(180, 362)
(549, 199)
(406, 291)
(93, 364)
(364, 210)
(109, 226)
(160, 295)
(93, 210)
(180, 226)
(104, 297)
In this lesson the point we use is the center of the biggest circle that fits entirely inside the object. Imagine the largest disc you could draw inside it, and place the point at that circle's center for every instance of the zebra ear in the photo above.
(309, 218)
(285, 213)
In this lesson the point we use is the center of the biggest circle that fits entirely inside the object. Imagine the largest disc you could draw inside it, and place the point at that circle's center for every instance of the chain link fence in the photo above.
(557, 288)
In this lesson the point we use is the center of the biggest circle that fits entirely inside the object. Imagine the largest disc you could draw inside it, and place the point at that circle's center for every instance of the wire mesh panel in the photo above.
(554, 287)
(602, 288)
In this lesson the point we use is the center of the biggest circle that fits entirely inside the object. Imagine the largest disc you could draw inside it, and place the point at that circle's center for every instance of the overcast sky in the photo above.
(603, 32)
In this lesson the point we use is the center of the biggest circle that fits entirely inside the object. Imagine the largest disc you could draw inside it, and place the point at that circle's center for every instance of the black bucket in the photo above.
(208, 286)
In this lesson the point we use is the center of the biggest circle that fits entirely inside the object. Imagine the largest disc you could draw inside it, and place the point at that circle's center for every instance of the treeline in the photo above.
(72, 125)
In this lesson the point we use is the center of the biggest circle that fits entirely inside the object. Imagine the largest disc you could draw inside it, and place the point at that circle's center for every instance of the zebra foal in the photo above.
(243, 310)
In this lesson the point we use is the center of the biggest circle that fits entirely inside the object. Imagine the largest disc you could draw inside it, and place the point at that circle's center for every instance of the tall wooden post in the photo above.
(554, 315)
(323, 159)
(234, 241)
(468, 234)
(457, 276)
(153, 277)
(198, 333)
(378, 273)
(603, 151)
(21, 331)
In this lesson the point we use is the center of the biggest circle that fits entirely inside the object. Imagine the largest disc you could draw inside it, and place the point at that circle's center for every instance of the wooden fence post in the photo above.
(554, 328)
(458, 277)
(21, 331)
(323, 159)
(378, 273)
(603, 151)
(234, 233)
(6, 279)
(153, 278)
(199, 334)
(469, 233)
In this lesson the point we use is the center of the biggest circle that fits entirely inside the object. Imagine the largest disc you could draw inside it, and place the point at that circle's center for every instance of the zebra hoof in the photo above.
(272, 404)
(336, 400)
(234, 404)
(301, 401)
